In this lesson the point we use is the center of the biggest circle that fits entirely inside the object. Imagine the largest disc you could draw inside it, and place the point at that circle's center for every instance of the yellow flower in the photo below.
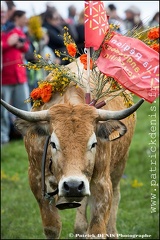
(47, 55)
(35, 27)
(136, 184)
(57, 52)
(39, 56)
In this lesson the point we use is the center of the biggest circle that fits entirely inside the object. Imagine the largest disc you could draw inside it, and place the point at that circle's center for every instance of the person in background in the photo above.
(54, 26)
(111, 11)
(80, 31)
(52, 22)
(50, 7)
(14, 89)
(4, 15)
(40, 47)
(133, 20)
(11, 8)
(72, 15)
(154, 21)
(72, 20)
(46, 50)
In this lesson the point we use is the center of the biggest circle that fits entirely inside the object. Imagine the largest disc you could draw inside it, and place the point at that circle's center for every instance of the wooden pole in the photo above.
(88, 90)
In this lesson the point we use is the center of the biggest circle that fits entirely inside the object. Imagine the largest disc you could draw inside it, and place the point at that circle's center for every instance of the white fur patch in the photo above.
(91, 140)
(55, 140)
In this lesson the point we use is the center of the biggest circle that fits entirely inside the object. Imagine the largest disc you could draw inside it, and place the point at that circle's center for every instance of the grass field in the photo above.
(139, 206)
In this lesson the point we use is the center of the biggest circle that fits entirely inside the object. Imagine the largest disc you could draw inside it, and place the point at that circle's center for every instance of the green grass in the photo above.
(20, 217)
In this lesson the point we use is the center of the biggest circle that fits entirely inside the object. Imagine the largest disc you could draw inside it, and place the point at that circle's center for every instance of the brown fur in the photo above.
(74, 122)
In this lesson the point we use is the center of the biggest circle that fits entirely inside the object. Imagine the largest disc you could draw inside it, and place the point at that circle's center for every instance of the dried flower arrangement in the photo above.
(62, 75)
(150, 36)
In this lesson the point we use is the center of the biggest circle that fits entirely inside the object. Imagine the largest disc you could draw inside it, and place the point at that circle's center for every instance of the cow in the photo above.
(77, 155)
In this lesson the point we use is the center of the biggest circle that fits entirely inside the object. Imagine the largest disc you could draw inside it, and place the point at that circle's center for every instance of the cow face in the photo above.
(74, 134)
(73, 147)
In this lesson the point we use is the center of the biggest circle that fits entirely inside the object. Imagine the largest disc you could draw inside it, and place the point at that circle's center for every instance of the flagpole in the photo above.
(96, 25)
(88, 93)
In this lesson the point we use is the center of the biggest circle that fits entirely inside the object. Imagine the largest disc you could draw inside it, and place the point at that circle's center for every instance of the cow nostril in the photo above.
(66, 187)
(73, 188)
(80, 187)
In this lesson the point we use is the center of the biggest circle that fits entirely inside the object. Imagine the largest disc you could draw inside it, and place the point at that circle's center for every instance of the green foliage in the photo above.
(20, 216)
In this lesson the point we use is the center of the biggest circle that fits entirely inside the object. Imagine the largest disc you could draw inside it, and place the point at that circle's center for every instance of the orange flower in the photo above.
(46, 93)
(71, 48)
(153, 34)
(35, 94)
(83, 59)
(155, 47)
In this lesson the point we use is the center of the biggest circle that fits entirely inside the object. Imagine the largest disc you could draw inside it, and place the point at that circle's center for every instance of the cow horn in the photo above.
(105, 115)
(26, 115)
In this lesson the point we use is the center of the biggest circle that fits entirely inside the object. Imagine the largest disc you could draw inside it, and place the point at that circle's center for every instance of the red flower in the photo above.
(35, 94)
(83, 59)
(155, 47)
(46, 93)
(71, 48)
(43, 93)
(153, 34)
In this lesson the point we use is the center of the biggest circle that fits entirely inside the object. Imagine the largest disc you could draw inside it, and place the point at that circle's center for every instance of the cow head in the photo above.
(75, 131)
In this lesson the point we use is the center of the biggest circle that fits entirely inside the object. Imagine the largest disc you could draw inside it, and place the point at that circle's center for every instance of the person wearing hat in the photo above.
(111, 11)
(133, 20)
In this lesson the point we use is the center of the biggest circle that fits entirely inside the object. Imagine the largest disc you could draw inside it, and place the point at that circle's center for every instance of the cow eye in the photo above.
(53, 145)
(94, 145)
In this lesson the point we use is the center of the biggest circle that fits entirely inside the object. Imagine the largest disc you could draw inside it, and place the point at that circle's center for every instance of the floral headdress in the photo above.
(61, 76)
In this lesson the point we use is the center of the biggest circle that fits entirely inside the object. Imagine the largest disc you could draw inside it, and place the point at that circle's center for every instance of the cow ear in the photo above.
(111, 130)
(40, 128)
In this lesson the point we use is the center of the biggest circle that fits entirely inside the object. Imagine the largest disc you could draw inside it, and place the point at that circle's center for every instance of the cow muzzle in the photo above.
(73, 189)
(71, 193)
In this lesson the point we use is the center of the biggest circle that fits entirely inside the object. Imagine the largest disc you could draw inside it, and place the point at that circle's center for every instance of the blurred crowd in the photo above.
(18, 46)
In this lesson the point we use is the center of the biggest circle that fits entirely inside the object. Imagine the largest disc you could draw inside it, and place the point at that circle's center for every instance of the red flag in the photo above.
(133, 64)
(96, 23)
